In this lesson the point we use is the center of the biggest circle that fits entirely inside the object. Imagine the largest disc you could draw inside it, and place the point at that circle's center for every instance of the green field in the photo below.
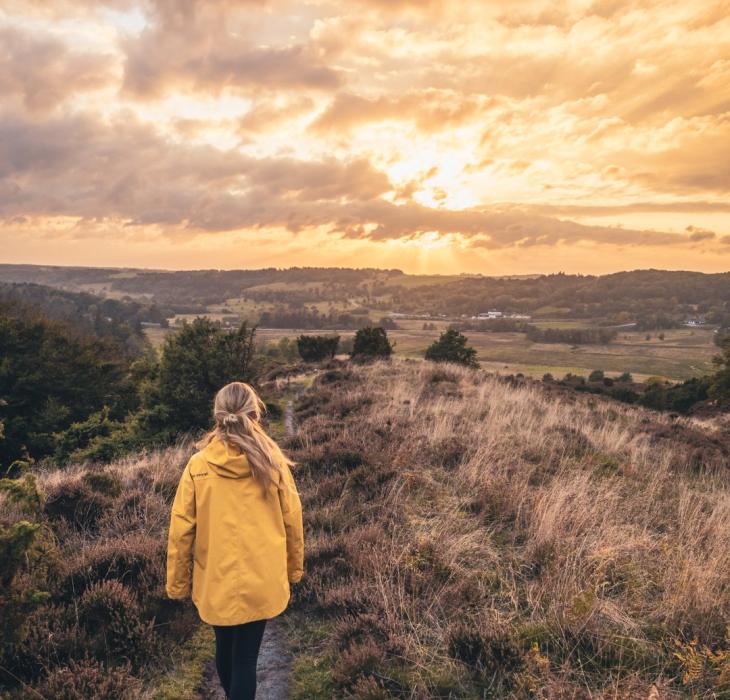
(683, 353)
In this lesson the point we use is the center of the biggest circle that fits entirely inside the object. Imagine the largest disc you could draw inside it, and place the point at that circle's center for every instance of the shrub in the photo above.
(486, 647)
(75, 440)
(85, 679)
(17, 600)
(451, 347)
(53, 638)
(314, 348)
(23, 491)
(76, 503)
(112, 618)
(359, 660)
(136, 560)
(105, 483)
(371, 342)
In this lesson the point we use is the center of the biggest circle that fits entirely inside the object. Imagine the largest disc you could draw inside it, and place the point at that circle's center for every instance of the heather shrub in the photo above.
(112, 619)
(53, 638)
(481, 536)
(368, 688)
(85, 679)
(358, 660)
(103, 482)
(76, 503)
(136, 560)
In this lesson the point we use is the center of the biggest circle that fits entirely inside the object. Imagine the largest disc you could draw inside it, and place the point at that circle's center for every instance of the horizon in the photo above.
(433, 137)
(365, 268)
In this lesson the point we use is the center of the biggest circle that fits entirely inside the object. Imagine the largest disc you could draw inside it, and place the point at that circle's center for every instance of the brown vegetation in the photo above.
(470, 536)
(90, 614)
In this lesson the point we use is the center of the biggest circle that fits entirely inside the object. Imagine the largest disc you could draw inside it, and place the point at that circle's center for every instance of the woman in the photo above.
(236, 539)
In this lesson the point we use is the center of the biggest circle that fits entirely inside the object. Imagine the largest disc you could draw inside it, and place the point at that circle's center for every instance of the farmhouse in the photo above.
(493, 313)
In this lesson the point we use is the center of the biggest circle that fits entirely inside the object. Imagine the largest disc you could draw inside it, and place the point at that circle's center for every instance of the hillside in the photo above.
(654, 296)
(467, 536)
(116, 321)
(470, 536)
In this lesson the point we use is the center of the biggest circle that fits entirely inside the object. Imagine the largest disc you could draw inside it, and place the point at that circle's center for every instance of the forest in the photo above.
(649, 298)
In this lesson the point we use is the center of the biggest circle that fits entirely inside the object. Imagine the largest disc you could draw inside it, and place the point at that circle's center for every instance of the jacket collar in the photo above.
(226, 460)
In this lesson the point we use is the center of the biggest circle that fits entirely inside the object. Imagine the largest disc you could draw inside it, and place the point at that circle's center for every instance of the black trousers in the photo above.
(236, 653)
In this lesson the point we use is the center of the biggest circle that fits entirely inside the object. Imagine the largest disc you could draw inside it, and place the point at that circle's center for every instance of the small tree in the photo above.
(314, 348)
(371, 342)
(451, 347)
(195, 363)
(596, 375)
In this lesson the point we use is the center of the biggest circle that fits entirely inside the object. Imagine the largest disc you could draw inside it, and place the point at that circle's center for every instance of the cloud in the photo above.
(77, 166)
(42, 71)
(497, 123)
(429, 110)
(700, 234)
(208, 47)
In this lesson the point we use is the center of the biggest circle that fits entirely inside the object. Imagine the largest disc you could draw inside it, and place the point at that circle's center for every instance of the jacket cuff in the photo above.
(177, 594)
(296, 576)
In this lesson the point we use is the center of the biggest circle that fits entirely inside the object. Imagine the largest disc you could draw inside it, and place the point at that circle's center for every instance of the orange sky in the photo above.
(429, 135)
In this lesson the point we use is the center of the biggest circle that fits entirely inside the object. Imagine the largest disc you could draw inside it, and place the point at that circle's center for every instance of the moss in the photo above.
(23, 491)
(186, 677)
(312, 678)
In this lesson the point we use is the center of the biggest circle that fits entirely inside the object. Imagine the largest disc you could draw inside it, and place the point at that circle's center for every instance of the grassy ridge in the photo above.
(473, 537)
(103, 626)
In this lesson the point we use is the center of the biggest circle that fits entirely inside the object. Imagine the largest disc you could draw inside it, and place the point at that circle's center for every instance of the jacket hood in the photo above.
(226, 460)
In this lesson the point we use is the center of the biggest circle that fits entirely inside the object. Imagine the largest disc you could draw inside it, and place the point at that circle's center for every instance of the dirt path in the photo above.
(272, 673)
(275, 661)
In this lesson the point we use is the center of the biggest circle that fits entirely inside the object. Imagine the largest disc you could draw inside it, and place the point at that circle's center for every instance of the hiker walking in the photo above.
(236, 539)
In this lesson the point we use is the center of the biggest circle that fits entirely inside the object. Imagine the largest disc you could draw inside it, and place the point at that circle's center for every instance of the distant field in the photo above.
(683, 353)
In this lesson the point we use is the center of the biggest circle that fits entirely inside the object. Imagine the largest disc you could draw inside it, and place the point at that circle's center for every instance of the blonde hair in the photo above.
(237, 410)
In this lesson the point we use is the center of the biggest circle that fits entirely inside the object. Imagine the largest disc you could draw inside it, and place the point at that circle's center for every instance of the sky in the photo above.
(433, 136)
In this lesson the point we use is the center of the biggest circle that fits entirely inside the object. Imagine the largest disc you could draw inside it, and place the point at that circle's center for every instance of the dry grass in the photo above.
(100, 556)
(509, 542)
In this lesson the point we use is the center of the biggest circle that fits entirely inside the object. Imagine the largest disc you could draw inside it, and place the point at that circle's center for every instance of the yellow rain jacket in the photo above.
(233, 548)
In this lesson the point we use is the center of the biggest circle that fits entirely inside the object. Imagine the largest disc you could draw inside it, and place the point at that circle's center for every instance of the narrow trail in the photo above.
(275, 661)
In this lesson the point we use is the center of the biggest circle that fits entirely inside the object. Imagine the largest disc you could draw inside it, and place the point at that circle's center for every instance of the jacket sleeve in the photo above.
(291, 509)
(181, 538)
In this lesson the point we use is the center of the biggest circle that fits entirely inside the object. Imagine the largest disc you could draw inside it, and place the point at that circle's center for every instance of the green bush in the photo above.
(17, 600)
(451, 347)
(97, 437)
(23, 491)
(719, 385)
(315, 348)
(371, 342)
